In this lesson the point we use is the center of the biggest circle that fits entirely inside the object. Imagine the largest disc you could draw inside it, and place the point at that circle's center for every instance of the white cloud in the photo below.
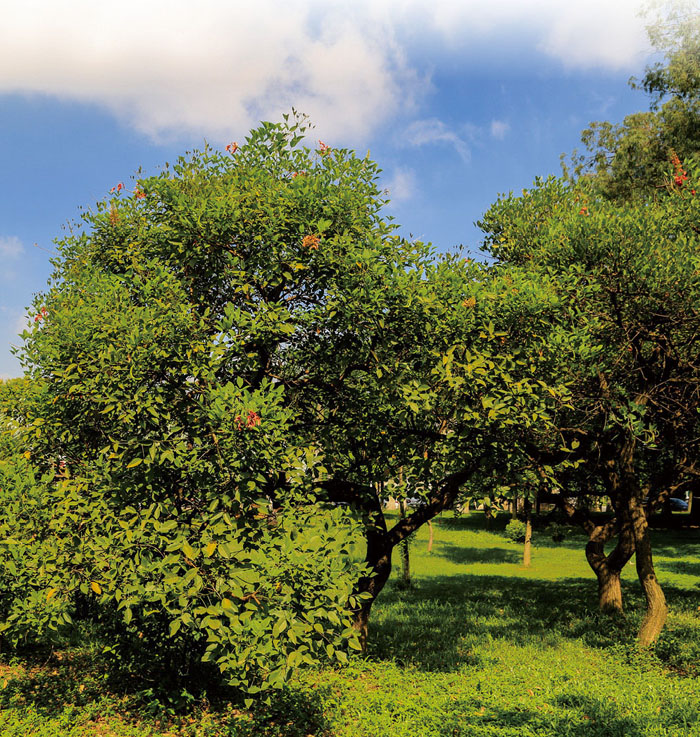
(578, 33)
(10, 247)
(499, 129)
(402, 186)
(214, 68)
(581, 38)
(217, 67)
(433, 130)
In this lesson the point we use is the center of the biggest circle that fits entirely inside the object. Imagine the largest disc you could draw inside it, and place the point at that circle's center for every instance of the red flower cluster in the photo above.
(252, 420)
(311, 242)
(41, 314)
(232, 147)
(324, 148)
(583, 211)
(680, 173)
(117, 189)
(139, 193)
(296, 174)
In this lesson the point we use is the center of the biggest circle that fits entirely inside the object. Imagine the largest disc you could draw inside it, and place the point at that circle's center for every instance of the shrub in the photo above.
(184, 516)
(515, 531)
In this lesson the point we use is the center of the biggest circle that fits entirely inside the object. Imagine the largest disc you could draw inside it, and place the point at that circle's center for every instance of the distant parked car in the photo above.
(678, 505)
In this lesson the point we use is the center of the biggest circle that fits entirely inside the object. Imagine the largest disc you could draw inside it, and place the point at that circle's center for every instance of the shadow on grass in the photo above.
(433, 625)
(77, 686)
(690, 568)
(583, 717)
(459, 554)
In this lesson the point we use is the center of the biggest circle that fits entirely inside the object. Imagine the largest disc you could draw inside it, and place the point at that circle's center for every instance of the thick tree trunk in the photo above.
(608, 568)
(372, 585)
(381, 542)
(378, 558)
(631, 498)
(657, 610)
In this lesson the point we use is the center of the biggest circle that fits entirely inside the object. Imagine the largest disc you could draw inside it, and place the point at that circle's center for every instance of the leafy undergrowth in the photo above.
(479, 646)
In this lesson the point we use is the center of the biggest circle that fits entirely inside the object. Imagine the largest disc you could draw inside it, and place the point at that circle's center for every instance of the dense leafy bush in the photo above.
(515, 531)
(181, 510)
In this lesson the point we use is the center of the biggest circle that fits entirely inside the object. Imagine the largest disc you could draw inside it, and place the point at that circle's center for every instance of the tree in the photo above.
(181, 361)
(451, 393)
(630, 160)
(623, 338)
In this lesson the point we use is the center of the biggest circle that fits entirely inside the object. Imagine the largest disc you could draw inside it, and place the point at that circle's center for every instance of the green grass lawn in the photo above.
(478, 646)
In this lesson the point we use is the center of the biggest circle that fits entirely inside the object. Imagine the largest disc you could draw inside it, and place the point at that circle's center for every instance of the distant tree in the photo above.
(630, 160)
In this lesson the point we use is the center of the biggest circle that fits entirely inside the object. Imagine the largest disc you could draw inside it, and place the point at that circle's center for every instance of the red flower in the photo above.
(583, 211)
(323, 147)
(680, 179)
(139, 193)
(232, 147)
(118, 188)
(311, 241)
(253, 419)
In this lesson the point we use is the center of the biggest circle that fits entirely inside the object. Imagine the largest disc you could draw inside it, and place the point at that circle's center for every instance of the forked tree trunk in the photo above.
(381, 542)
(609, 568)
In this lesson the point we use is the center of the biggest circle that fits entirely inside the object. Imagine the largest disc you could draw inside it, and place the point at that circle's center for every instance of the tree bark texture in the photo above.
(657, 610)
(608, 568)
(381, 542)
(378, 558)
(631, 496)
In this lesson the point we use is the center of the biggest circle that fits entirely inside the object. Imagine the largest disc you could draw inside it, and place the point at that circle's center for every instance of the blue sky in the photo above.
(457, 101)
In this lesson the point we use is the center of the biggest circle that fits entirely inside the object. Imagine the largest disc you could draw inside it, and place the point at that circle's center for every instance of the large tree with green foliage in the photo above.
(185, 509)
(623, 335)
(225, 351)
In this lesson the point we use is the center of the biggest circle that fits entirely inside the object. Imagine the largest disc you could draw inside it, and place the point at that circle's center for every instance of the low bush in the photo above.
(515, 531)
